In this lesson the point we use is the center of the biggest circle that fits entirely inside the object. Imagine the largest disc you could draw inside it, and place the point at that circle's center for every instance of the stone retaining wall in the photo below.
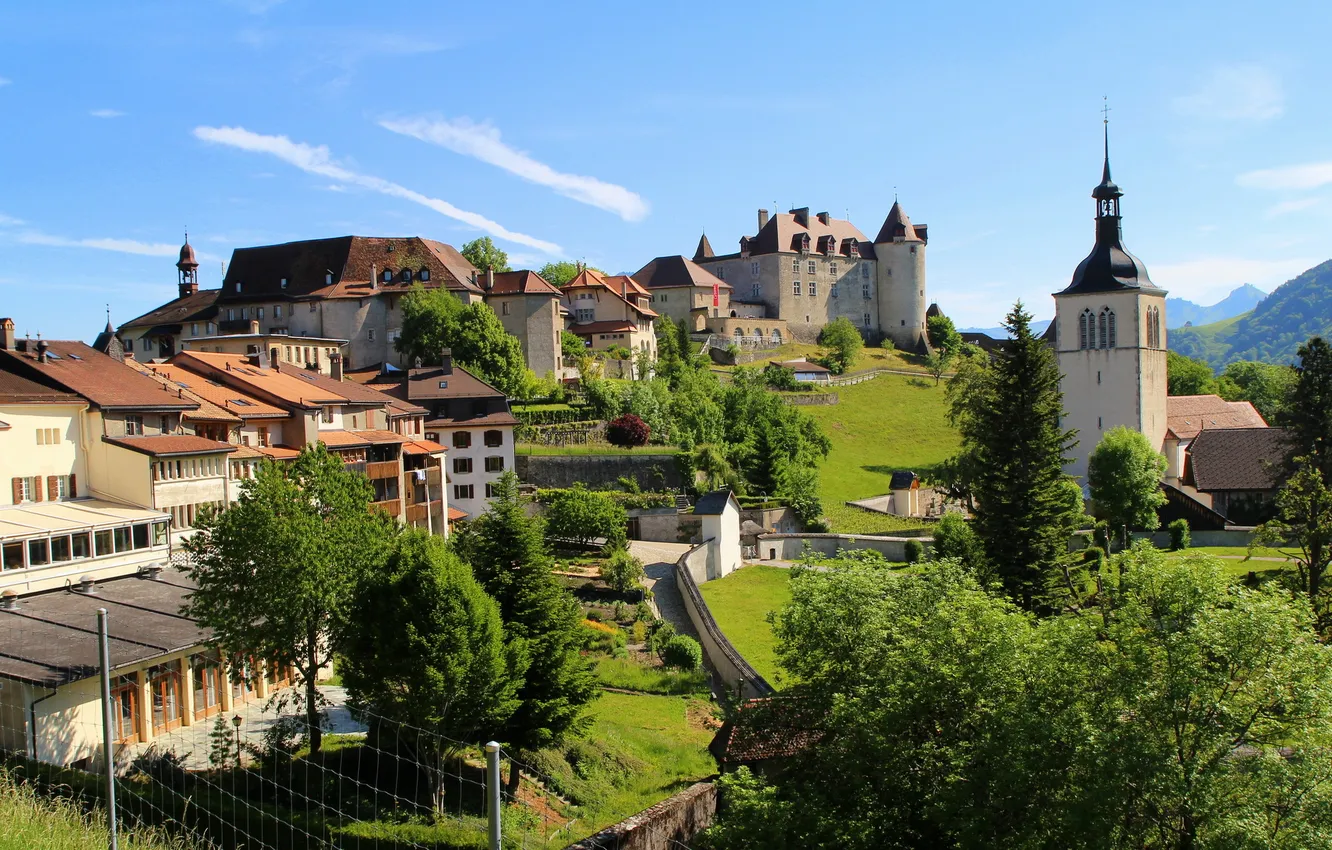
(651, 471)
(788, 547)
(722, 659)
(666, 826)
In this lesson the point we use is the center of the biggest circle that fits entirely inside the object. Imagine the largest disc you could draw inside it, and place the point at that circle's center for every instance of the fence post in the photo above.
(104, 653)
(493, 793)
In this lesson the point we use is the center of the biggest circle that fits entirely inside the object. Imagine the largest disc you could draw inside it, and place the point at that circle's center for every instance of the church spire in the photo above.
(1107, 196)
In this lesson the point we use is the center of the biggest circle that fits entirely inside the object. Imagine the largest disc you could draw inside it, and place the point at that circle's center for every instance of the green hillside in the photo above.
(1272, 331)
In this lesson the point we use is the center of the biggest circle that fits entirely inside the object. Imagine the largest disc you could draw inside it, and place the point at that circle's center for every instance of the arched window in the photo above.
(1086, 330)
(1103, 332)
(739, 334)
(776, 336)
(1151, 327)
(758, 334)
(1157, 325)
(1111, 323)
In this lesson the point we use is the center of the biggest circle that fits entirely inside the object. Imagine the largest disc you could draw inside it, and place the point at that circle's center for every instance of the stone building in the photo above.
(529, 308)
(808, 270)
(611, 311)
(1110, 338)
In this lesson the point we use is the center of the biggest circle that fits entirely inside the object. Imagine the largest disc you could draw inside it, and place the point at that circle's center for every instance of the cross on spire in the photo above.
(1105, 108)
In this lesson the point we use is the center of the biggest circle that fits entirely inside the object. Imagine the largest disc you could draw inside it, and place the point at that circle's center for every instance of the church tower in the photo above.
(900, 251)
(188, 268)
(1110, 338)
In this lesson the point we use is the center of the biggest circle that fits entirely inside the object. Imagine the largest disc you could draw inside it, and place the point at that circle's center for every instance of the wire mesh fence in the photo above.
(208, 749)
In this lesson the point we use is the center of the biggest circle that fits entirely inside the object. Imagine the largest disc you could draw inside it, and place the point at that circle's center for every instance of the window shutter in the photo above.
(52, 488)
(37, 488)
(73, 490)
(18, 490)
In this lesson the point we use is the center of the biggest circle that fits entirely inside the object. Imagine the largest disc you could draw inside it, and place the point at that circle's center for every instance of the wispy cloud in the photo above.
(106, 113)
(1208, 279)
(4, 81)
(317, 160)
(483, 142)
(1241, 92)
(9, 221)
(1308, 176)
(1297, 205)
(123, 246)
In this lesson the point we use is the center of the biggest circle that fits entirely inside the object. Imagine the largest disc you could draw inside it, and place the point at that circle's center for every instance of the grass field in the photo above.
(877, 427)
(31, 821)
(740, 602)
(869, 358)
(631, 676)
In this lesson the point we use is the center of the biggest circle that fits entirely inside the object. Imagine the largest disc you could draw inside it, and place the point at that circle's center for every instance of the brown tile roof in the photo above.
(287, 386)
(455, 514)
(1187, 415)
(246, 452)
(338, 438)
(279, 452)
(167, 445)
(423, 447)
(233, 400)
(608, 326)
(803, 366)
(1237, 459)
(763, 729)
(523, 282)
(424, 384)
(81, 369)
(379, 436)
(355, 393)
(498, 418)
(16, 389)
(201, 306)
(898, 226)
(207, 412)
(352, 260)
(616, 285)
(781, 232)
(673, 271)
(704, 249)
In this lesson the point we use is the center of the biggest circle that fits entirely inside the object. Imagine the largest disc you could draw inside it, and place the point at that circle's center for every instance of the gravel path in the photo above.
(659, 577)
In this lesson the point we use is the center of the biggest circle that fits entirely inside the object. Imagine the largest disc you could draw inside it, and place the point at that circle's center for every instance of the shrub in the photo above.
(643, 613)
(582, 515)
(640, 632)
(659, 635)
(595, 616)
(1093, 557)
(1179, 535)
(621, 571)
(779, 377)
(621, 612)
(914, 551)
(628, 431)
(683, 652)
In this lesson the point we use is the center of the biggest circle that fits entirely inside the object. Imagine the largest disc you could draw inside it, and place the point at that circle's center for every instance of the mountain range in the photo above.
(1272, 331)
(1242, 299)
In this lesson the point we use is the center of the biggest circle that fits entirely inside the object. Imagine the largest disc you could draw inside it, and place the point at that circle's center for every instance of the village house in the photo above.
(611, 311)
(806, 372)
(1237, 471)
(690, 294)
(529, 308)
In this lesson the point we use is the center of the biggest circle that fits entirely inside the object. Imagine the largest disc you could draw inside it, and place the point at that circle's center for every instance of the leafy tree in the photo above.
(622, 571)
(1190, 714)
(581, 515)
(1266, 386)
(1304, 516)
(937, 362)
(1009, 416)
(628, 431)
(432, 320)
(781, 378)
(1308, 415)
(485, 255)
(276, 570)
(650, 401)
(711, 462)
(843, 343)
(1186, 376)
(955, 540)
(943, 335)
(572, 345)
(560, 273)
(507, 552)
(426, 649)
(1125, 474)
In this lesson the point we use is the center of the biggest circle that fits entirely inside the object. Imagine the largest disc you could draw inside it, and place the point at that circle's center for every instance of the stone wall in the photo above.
(660, 525)
(668, 825)
(788, 547)
(721, 658)
(599, 471)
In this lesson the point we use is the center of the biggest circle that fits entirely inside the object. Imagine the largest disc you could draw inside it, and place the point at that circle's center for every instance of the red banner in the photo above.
(716, 295)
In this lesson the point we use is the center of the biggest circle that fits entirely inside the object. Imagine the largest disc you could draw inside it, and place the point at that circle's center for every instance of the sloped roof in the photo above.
(1237, 458)
(102, 380)
(604, 327)
(201, 306)
(616, 285)
(704, 249)
(778, 235)
(16, 389)
(282, 385)
(524, 282)
(714, 503)
(167, 445)
(677, 271)
(1187, 415)
(897, 226)
(802, 366)
(201, 389)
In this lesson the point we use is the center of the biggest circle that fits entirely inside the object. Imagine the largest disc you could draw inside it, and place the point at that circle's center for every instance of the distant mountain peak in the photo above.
(1242, 299)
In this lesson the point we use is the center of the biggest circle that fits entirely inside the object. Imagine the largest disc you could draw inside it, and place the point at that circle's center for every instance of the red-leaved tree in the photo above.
(628, 431)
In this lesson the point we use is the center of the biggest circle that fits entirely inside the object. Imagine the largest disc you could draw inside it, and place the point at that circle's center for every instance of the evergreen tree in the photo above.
(507, 551)
(1010, 424)
(1308, 415)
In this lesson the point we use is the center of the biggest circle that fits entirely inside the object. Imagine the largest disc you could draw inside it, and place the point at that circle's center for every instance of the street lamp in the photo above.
(236, 721)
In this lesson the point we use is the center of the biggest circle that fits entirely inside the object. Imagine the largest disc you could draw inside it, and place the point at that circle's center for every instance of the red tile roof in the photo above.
(167, 445)
(81, 369)
(1187, 415)
(523, 282)
(675, 271)
(617, 285)
(279, 452)
(781, 232)
(454, 514)
(423, 447)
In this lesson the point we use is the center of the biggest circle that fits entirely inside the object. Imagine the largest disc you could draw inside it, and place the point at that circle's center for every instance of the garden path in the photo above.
(659, 577)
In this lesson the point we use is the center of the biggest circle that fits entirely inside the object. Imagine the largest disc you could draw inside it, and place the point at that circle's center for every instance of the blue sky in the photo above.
(617, 132)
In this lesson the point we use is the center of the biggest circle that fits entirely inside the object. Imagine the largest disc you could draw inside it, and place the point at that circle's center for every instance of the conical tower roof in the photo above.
(704, 250)
(896, 227)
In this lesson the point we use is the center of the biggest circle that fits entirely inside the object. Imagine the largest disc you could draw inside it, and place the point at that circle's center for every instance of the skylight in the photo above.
(74, 357)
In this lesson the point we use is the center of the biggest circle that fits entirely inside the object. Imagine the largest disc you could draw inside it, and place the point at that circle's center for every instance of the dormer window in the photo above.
(388, 276)
(425, 274)
(238, 286)
(283, 284)
(328, 279)
(406, 275)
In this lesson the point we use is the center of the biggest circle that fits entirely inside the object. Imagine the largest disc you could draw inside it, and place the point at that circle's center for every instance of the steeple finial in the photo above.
(1105, 122)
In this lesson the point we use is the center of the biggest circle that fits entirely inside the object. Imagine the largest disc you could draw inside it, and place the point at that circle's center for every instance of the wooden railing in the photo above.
(392, 507)
(382, 469)
(417, 512)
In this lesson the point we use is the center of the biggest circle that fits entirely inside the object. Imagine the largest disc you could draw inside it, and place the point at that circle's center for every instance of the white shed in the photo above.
(719, 513)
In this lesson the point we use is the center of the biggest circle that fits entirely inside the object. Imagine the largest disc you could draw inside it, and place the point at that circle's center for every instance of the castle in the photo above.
(808, 270)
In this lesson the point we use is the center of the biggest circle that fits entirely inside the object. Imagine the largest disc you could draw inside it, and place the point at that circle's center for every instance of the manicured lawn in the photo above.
(740, 602)
(878, 427)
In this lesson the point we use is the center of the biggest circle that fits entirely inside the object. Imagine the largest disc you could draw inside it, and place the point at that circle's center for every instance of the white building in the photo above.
(720, 521)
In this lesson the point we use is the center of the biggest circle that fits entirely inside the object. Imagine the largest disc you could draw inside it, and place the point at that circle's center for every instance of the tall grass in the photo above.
(29, 821)
(629, 675)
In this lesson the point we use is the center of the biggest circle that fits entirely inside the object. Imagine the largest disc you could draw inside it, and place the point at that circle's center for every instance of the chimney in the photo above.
(763, 219)
(258, 358)
(490, 279)
(446, 361)
(374, 276)
(335, 365)
(42, 346)
(474, 283)
(824, 217)
(801, 216)
(9, 601)
(7, 336)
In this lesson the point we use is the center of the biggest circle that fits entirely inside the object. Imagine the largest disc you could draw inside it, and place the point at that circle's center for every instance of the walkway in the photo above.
(659, 577)
(192, 743)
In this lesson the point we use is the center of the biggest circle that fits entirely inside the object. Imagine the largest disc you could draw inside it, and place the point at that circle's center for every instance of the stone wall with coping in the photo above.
(668, 825)
(599, 472)
(721, 658)
(788, 547)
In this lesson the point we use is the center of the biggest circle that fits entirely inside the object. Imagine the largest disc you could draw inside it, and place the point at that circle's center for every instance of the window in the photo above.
(583, 316)
(462, 465)
(813, 266)
(406, 276)
(504, 308)
(754, 269)
(231, 314)
(1113, 338)
(370, 334)
(48, 436)
(462, 439)
(795, 266)
(462, 492)
(795, 287)
(212, 328)
(490, 491)
(864, 269)
(756, 291)
(813, 289)
(258, 312)
(832, 269)
(494, 438)
(263, 436)
(283, 283)
(13, 556)
(313, 305)
(387, 276)
(328, 280)
(832, 291)
(133, 425)
(425, 275)
(164, 424)
(39, 553)
(194, 328)
(1086, 330)
(867, 320)
(865, 290)
(145, 343)
(244, 312)
(494, 463)
(327, 415)
(238, 286)
(721, 272)
(60, 548)
(277, 311)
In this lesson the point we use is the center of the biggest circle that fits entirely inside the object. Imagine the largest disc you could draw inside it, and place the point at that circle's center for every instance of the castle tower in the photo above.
(188, 268)
(1110, 338)
(900, 251)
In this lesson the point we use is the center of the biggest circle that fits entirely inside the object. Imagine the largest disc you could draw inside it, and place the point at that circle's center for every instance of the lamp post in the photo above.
(236, 721)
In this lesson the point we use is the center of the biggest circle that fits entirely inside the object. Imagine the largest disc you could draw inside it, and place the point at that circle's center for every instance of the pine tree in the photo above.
(507, 551)
(1010, 424)
(1308, 414)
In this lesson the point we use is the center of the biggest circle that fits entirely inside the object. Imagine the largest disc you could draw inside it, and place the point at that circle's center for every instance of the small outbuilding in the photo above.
(806, 372)
(719, 515)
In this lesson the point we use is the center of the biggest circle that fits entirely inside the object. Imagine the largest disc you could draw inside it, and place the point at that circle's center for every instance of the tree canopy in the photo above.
(1267, 386)
(1187, 376)
(1125, 473)
(943, 334)
(842, 343)
(580, 515)
(486, 255)
(561, 272)
(433, 319)
(275, 571)
(1308, 414)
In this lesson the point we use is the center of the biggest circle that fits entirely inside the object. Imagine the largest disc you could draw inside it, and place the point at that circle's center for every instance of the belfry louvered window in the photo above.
(1086, 330)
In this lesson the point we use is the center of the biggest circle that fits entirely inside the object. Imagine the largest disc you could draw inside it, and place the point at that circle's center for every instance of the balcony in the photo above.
(417, 512)
(382, 469)
(392, 507)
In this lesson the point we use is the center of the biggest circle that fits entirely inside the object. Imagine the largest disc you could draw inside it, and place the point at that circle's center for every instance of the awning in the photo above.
(422, 447)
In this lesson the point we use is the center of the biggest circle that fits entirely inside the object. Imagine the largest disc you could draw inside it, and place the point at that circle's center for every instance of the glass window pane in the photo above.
(60, 549)
(159, 533)
(141, 536)
(13, 556)
(122, 536)
(37, 553)
(103, 540)
(80, 546)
